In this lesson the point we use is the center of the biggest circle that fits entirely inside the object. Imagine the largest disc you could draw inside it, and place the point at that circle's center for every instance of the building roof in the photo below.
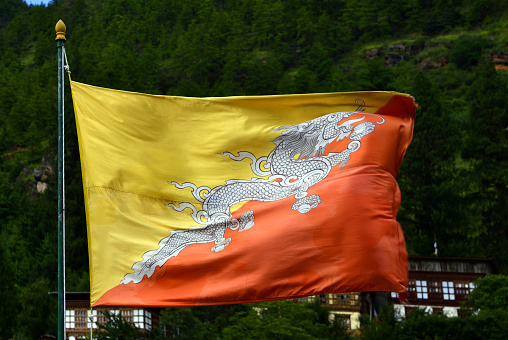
(451, 265)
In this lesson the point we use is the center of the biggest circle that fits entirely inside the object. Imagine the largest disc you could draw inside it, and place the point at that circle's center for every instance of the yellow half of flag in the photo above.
(156, 167)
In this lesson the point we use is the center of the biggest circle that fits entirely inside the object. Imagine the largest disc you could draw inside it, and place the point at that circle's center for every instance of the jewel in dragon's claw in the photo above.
(304, 208)
(234, 224)
(248, 225)
(246, 221)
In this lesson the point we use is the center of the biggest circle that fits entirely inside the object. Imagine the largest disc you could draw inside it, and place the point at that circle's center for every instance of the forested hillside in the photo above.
(451, 55)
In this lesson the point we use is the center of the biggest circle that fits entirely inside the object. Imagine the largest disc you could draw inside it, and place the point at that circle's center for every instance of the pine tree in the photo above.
(487, 153)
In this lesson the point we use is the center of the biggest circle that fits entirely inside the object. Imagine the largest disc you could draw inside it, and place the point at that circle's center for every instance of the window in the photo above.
(148, 320)
(411, 288)
(462, 288)
(142, 319)
(344, 300)
(435, 287)
(80, 318)
(448, 290)
(421, 290)
(69, 319)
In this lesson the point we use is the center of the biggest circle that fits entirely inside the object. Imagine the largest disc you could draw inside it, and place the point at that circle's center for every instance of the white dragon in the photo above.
(295, 164)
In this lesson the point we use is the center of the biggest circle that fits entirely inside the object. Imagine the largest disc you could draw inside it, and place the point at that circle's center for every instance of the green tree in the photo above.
(490, 293)
(116, 328)
(373, 75)
(37, 314)
(468, 51)
(186, 323)
(431, 204)
(420, 325)
(486, 151)
(282, 320)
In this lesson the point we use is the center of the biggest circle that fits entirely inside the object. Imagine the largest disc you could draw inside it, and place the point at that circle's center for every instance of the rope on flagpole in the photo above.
(65, 62)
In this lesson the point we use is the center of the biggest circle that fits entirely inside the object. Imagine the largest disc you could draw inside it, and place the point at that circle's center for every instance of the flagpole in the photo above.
(60, 42)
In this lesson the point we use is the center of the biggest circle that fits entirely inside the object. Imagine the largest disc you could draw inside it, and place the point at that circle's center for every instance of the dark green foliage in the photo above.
(37, 311)
(488, 324)
(482, 10)
(417, 325)
(198, 322)
(117, 328)
(468, 51)
(486, 150)
(9, 9)
(420, 325)
(267, 320)
(443, 17)
(374, 75)
(9, 303)
(491, 293)
(278, 320)
(490, 296)
(431, 205)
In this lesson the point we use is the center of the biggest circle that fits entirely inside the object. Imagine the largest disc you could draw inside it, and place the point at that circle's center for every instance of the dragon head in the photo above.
(310, 139)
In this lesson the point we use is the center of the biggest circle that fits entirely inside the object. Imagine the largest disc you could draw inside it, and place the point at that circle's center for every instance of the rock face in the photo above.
(41, 187)
(403, 48)
(40, 175)
(393, 59)
(432, 64)
(394, 53)
(500, 61)
(373, 53)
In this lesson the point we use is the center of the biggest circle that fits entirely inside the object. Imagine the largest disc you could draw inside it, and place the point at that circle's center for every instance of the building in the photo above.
(79, 319)
(436, 284)
(345, 307)
(441, 284)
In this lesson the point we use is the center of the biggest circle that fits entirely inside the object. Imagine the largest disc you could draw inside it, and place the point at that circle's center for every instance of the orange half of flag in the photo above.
(201, 201)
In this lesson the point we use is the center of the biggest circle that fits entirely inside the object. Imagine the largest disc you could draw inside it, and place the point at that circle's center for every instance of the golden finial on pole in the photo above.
(60, 30)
